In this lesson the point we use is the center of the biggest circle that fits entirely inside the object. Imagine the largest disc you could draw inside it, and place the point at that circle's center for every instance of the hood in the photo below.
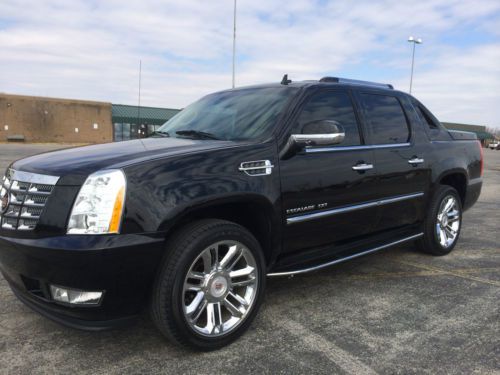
(73, 165)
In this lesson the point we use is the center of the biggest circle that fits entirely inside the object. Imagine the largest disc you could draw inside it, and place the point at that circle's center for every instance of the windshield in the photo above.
(242, 114)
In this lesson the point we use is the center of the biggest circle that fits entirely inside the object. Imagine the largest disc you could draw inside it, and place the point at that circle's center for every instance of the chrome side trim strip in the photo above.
(33, 178)
(335, 211)
(352, 148)
(304, 270)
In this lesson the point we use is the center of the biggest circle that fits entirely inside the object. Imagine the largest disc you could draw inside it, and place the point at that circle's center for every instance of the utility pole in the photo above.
(234, 42)
(415, 41)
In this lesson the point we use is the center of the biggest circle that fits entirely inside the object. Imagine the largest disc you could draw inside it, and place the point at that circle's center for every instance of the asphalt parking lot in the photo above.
(396, 311)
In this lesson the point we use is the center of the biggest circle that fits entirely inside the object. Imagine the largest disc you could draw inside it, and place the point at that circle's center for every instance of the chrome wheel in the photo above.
(220, 288)
(448, 221)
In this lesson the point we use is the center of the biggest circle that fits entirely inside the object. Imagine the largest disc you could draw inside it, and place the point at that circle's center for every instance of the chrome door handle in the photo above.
(362, 167)
(415, 161)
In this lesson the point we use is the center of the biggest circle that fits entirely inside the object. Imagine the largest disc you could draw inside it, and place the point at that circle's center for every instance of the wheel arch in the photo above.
(255, 213)
(456, 179)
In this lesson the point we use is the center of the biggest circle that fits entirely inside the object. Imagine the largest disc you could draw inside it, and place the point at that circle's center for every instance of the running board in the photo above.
(318, 267)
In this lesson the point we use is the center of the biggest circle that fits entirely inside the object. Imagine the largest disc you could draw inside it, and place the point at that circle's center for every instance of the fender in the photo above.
(255, 212)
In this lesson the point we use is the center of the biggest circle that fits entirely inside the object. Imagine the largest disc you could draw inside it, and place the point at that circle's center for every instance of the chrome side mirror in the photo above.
(319, 133)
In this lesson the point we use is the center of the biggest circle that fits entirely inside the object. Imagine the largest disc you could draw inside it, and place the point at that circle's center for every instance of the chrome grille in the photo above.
(27, 195)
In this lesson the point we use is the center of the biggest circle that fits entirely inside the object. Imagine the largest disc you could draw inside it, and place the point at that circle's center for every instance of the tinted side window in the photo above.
(331, 105)
(386, 119)
(425, 119)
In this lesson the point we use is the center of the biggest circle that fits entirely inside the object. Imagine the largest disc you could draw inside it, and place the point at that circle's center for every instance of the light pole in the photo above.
(139, 98)
(414, 41)
(234, 39)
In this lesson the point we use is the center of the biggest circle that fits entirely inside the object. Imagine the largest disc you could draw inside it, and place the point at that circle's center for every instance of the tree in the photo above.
(494, 131)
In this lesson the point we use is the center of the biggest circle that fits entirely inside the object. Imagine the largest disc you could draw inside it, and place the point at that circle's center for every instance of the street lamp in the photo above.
(414, 41)
(234, 41)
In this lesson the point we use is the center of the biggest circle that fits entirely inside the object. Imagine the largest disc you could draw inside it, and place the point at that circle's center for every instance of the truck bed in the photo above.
(458, 135)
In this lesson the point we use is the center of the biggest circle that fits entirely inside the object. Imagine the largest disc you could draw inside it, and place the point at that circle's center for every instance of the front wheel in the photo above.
(443, 222)
(210, 286)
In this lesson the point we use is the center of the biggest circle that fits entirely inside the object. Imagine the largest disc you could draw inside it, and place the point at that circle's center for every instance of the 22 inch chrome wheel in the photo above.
(448, 221)
(441, 227)
(220, 288)
(210, 285)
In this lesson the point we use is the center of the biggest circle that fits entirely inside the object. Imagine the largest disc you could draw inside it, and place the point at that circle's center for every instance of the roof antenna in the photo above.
(285, 80)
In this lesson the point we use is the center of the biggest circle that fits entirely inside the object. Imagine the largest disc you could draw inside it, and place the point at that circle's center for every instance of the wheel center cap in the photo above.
(218, 286)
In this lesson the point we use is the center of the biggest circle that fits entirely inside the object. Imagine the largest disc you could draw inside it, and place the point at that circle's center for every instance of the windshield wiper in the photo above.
(160, 133)
(197, 134)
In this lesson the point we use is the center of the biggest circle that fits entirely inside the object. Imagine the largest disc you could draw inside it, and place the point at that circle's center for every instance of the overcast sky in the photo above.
(91, 49)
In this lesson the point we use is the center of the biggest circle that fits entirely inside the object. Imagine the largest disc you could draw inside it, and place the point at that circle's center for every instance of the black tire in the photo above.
(430, 243)
(167, 305)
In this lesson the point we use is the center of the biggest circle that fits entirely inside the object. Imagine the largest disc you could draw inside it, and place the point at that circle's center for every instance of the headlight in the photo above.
(99, 205)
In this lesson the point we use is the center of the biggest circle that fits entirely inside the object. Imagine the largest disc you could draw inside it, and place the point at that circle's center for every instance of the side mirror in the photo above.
(319, 133)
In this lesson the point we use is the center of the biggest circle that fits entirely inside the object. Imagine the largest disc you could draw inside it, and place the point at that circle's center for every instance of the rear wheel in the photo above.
(211, 285)
(443, 223)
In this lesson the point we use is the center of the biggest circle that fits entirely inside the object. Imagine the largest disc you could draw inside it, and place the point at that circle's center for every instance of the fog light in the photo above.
(76, 297)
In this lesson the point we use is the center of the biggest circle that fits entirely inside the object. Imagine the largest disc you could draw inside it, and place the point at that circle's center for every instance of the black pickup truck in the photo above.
(244, 184)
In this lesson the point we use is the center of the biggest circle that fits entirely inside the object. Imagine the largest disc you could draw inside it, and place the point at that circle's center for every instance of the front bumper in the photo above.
(123, 266)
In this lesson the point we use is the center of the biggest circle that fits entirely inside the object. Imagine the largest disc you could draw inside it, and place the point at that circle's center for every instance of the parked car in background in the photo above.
(255, 182)
(494, 145)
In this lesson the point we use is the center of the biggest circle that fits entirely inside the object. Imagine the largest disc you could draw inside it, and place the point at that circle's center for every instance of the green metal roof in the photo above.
(464, 127)
(479, 130)
(484, 135)
(141, 115)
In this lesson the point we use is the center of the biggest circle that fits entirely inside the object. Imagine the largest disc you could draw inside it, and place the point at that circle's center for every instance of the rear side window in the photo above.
(426, 119)
(425, 116)
(331, 105)
(386, 119)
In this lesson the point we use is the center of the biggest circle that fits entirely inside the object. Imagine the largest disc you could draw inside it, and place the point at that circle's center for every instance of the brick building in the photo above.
(37, 119)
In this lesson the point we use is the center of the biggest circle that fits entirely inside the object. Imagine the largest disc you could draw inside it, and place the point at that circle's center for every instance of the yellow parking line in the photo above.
(456, 273)
(483, 251)
(474, 270)
(382, 275)
(422, 273)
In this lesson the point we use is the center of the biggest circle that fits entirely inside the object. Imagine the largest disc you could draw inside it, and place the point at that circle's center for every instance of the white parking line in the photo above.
(338, 356)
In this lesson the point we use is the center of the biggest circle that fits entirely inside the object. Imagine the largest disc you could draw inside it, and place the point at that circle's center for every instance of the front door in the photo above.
(328, 191)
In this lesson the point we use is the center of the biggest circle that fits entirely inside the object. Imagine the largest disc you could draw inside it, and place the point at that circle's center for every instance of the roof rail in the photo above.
(356, 82)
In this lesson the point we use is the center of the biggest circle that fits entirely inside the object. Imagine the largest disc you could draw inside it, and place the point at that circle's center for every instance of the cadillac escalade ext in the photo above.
(244, 184)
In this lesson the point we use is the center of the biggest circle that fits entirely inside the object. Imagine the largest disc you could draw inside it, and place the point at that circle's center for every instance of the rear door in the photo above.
(402, 171)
